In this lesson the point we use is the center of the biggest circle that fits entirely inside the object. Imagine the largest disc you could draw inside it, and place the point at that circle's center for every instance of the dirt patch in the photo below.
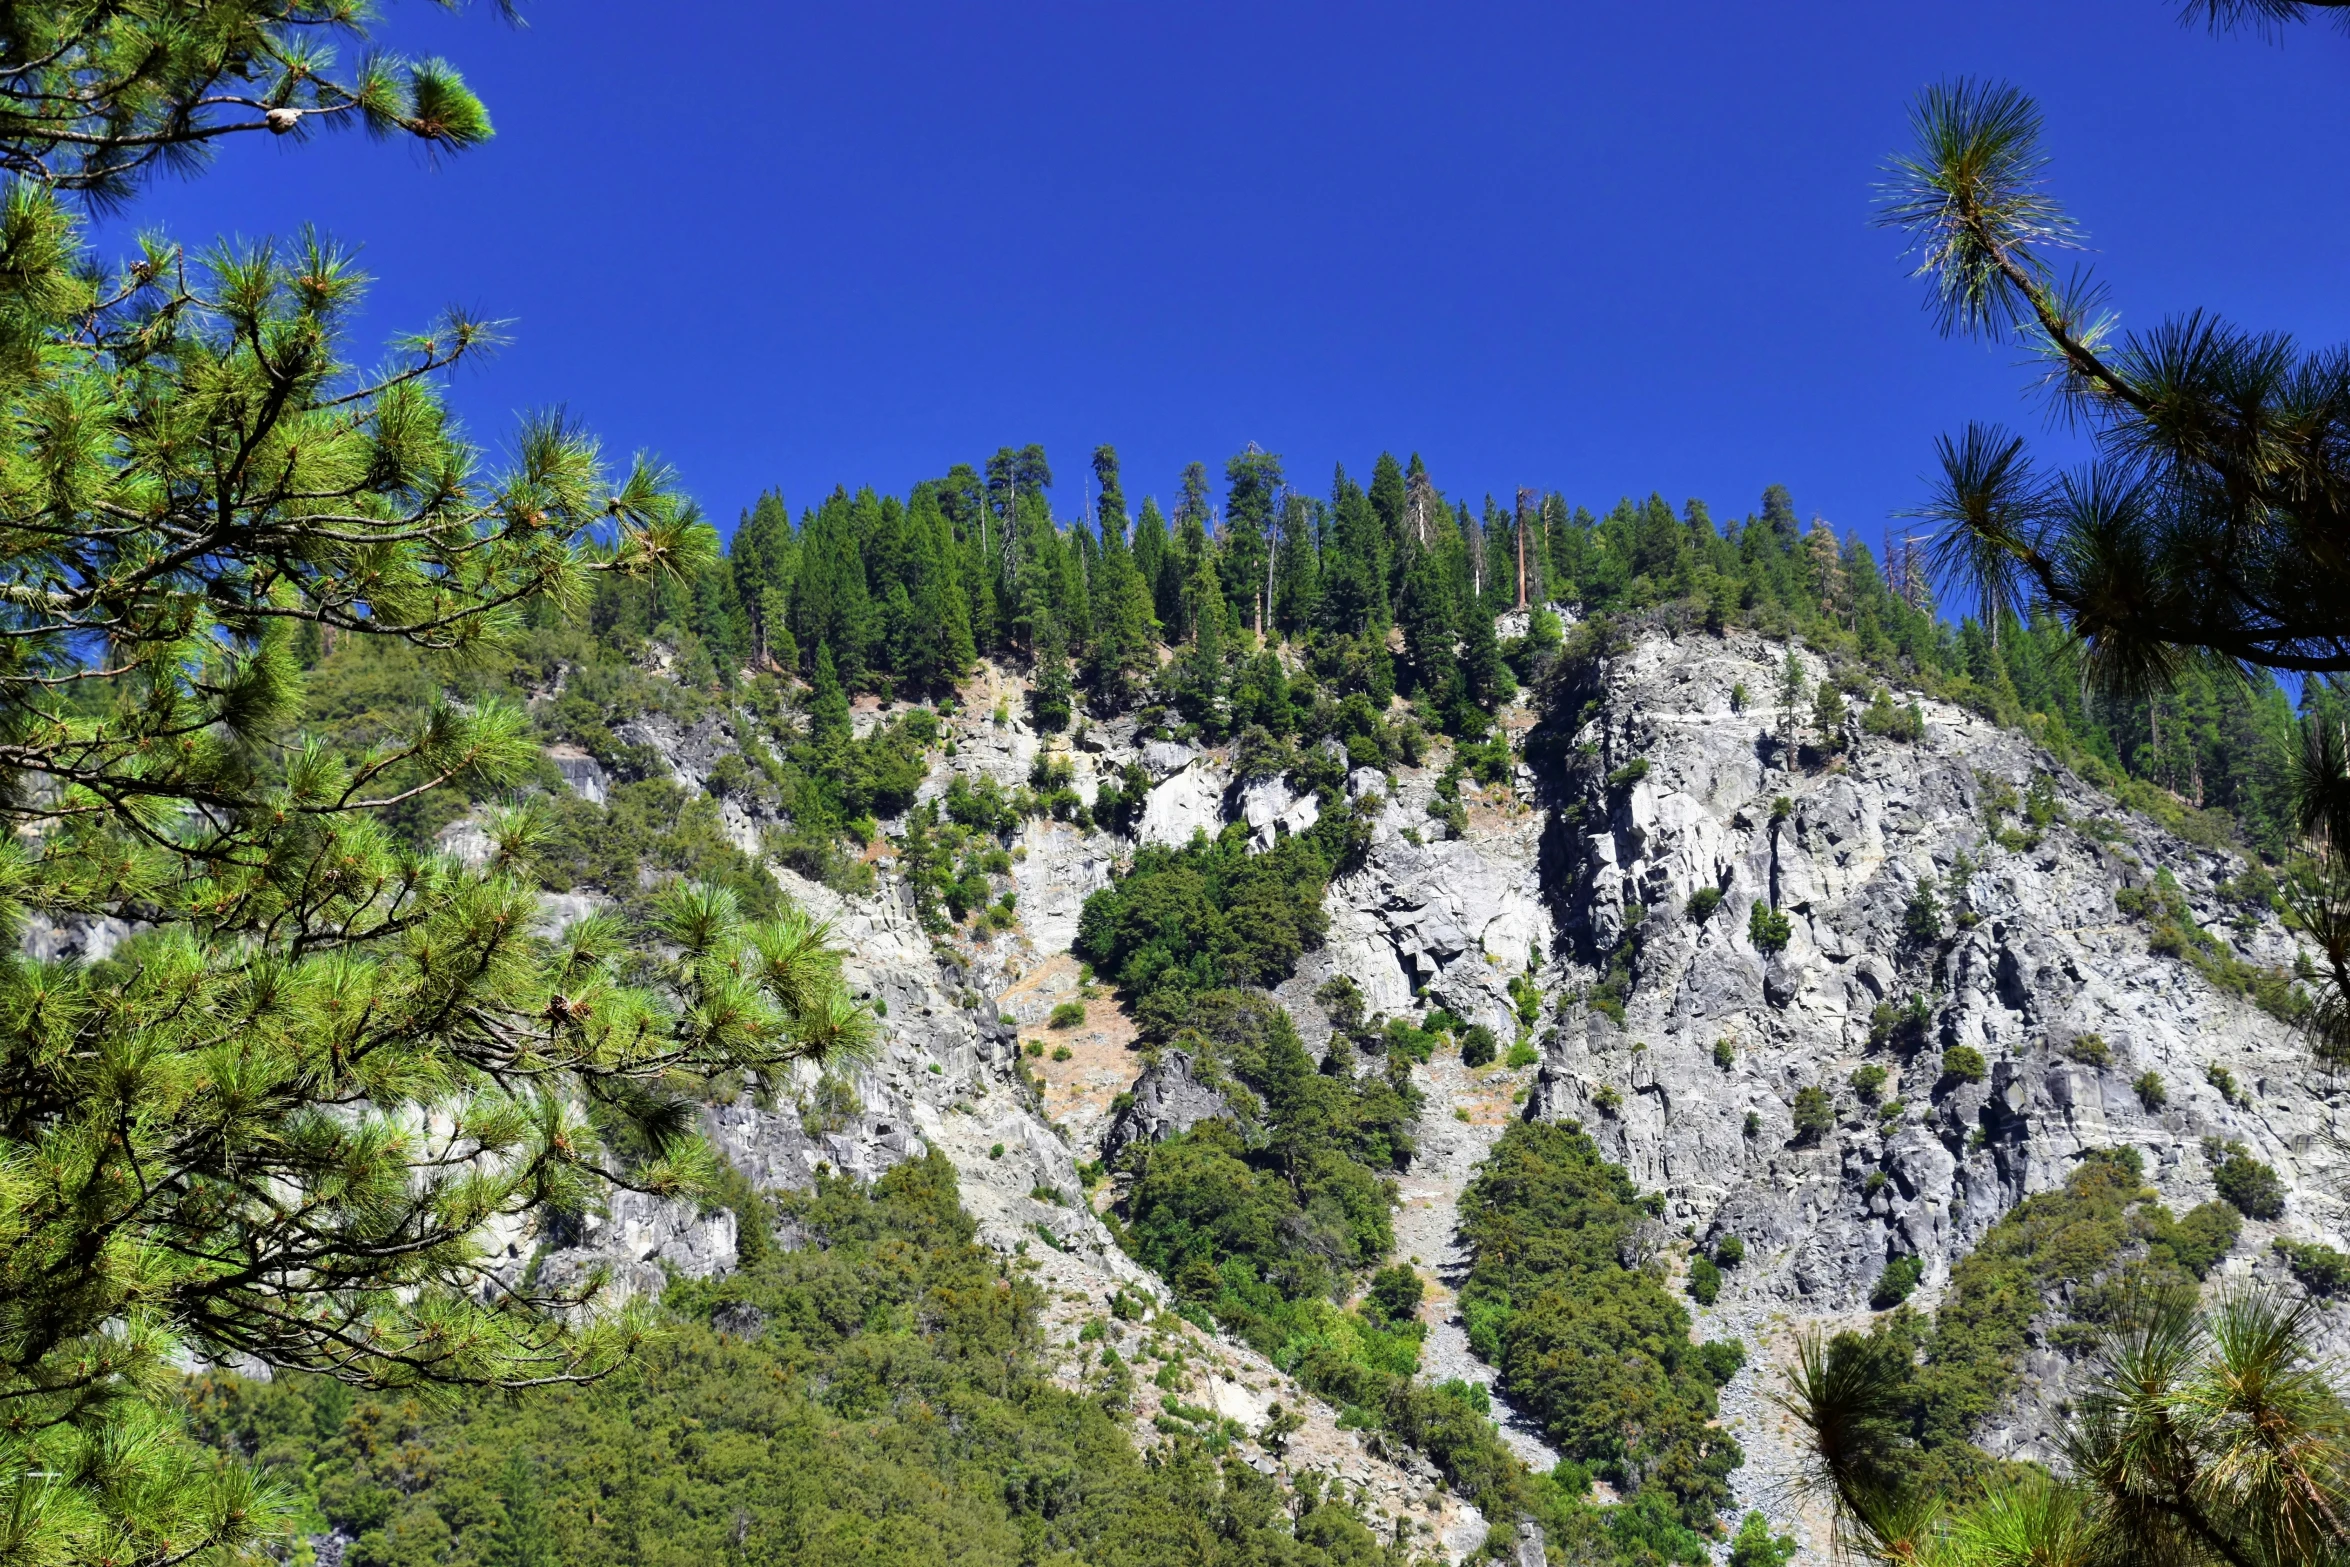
(1080, 1091)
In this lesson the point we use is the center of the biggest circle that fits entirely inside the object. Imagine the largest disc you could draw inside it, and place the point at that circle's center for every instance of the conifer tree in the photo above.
(1244, 548)
(1354, 579)
(1121, 649)
(1154, 558)
(1297, 563)
(1387, 496)
(761, 560)
(1110, 515)
(277, 1122)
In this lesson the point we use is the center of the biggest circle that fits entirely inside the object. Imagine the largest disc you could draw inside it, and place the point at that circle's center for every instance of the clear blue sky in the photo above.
(1601, 249)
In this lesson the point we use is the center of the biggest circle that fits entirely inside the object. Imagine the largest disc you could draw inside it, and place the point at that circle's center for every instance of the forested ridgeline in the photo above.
(1392, 589)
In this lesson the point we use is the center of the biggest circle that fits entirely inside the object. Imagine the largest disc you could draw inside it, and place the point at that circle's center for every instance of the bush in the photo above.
(1395, 1294)
(1815, 1116)
(1921, 921)
(2091, 1050)
(2149, 1088)
(1069, 1014)
(1753, 1127)
(1729, 1251)
(1522, 1054)
(1705, 1280)
(1964, 1064)
(2251, 1187)
(1768, 929)
(1629, 774)
(2321, 1269)
(1756, 1546)
(2197, 1241)
(1897, 1283)
(1703, 902)
(1724, 1054)
(1477, 1046)
(1869, 1082)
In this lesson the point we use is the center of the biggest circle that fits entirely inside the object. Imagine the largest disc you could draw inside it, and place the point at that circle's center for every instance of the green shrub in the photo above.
(1756, 1546)
(1898, 1281)
(1395, 1294)
(1705, 1280)
(2251, 1187)
(2196, 1241)
(1522, 1054)
(1403, 1042)
(1869, 1082)
(1069, 1014)
(1703, 902)
(1724, 1054)
(1608, 1099)
(1258, 1226)
(1729, 1251)
(2321, 1269)
(1753, 1127)
(1815, 1116)
(2090, 1050)
(1477, 1046)
(2149, 1088)
(1921, 920)
(1628, 774)
(1768, 929)
(1964, 1064)
(1213, 914)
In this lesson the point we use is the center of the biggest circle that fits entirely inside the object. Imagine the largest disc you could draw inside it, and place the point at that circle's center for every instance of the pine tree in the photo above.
(1050, 700)
(280, 1124)
(1429, 633)
(1297, 587)
(1121, 650)
(761, 557)
(1388, 500)
(1110, 513)
(829, 728)
(1244, 548)
(1354, 572)
(1154, 558)
(521, 1536)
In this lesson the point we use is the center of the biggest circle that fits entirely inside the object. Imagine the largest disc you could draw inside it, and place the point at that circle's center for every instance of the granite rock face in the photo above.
(1580, 877)
(1166, 1101)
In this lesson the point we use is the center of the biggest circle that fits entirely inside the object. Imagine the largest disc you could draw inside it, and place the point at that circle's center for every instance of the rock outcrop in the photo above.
(1584, 876)
(1167, 1100)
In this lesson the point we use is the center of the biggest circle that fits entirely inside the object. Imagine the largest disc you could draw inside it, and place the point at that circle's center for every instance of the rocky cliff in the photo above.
(1666, 1032)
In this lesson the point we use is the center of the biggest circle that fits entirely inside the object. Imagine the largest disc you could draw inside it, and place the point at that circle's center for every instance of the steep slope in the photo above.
(1586, 870)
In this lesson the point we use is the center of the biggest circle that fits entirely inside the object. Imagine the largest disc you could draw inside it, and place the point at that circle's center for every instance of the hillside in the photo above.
(1855, 1111)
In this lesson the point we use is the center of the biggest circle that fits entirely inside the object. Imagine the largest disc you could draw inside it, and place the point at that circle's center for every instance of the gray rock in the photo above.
(1168, 1099)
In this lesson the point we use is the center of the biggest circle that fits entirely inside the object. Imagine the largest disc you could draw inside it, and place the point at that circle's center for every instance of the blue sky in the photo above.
(1601, 249)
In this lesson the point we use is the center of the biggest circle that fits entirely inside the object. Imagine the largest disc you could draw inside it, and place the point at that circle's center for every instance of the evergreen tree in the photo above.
(1050, 700)
(1297, 584)
(1244, 548)
(1429, 633)
(761, 557)
(1354, 578)
(280, 1120)
(1387, 499)
(521, 1537)
(829, 729)
(1111, 513)
(1121, 649)
(1155, 560)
